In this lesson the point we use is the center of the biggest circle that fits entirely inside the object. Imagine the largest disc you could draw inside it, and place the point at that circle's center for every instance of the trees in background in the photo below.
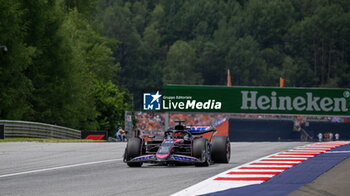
(59, 68)
(15, 86)
(69, 59)
(195, 41)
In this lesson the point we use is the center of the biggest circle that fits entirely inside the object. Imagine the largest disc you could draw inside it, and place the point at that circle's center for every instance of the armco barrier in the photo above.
(262, 130)
(13, 128)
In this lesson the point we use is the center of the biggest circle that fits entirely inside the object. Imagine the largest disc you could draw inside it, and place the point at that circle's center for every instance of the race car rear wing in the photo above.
(199, 130)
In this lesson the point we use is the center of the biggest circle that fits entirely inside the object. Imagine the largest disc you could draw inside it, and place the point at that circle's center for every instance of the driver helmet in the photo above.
(179, 128)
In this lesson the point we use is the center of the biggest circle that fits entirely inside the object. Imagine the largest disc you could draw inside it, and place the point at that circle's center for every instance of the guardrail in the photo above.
(14, 128)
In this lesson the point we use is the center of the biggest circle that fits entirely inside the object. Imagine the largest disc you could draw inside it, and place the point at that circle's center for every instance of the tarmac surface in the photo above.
(98, 169)
(335, 182)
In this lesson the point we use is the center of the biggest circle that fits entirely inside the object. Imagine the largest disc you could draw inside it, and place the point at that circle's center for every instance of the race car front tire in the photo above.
(200, 151)
(133, 149)
(221, 149)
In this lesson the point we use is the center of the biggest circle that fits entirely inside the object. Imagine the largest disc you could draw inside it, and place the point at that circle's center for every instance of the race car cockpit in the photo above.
(178, 132)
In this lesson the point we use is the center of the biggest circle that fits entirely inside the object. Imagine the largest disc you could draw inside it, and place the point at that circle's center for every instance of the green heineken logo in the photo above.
(251, 100)
(257, 100)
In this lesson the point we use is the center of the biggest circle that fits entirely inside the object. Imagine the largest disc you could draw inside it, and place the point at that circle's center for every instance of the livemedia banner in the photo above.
(258, 100)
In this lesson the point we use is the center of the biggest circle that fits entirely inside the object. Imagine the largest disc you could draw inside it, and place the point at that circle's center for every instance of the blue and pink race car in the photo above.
(179, 145)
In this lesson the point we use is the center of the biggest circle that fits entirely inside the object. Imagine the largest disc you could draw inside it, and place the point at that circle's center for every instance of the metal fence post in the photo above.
(2, 132)
(128, 123)
(166, 124)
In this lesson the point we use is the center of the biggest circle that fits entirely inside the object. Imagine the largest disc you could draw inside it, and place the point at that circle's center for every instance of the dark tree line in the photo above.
(59, 68)
(196, 41)
(79, 63)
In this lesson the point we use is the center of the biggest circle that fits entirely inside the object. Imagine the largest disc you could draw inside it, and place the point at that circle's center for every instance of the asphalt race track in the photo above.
(98, 169)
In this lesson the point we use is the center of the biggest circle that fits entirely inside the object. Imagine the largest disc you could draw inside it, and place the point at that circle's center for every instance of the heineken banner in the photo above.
(256, 100)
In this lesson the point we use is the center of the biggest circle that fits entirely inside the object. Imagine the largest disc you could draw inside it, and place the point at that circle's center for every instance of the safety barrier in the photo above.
(14, 128)
(262, 130)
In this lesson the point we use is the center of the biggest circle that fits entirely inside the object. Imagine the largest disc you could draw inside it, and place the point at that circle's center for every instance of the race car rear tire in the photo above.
(200, 151)
(221, 149)
(133, 149)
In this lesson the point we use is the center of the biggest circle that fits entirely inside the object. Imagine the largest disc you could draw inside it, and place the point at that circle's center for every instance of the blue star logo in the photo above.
(151, 101)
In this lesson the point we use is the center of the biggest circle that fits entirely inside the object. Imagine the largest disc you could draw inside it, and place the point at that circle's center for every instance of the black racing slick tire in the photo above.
(221, 149)
(133, 149)
(200, 151)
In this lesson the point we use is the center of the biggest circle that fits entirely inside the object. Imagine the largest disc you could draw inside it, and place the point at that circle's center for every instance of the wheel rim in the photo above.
(204, 157)
(228, 151)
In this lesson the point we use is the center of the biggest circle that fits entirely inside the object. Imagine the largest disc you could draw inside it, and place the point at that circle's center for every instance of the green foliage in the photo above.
(195, 41)
(92, 64)
(65, 53)
(52, 70)
(244, 57)
(268, 20)
(15, 86)
(111, 102)
(55, 64)
(179, 65)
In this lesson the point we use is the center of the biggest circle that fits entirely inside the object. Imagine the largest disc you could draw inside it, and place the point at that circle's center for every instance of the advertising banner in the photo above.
(258, 100)
(94, 135)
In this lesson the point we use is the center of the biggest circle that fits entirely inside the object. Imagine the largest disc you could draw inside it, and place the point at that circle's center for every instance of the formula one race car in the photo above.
(179, 145)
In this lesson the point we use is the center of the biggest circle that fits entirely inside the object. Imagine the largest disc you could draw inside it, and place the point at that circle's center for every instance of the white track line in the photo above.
(209, 185)
(60, 167)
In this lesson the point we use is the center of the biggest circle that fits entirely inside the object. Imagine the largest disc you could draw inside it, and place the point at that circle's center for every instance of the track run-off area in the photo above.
(30, 168)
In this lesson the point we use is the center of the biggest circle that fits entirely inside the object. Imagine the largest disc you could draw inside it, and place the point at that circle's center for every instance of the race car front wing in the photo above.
(172, 158)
